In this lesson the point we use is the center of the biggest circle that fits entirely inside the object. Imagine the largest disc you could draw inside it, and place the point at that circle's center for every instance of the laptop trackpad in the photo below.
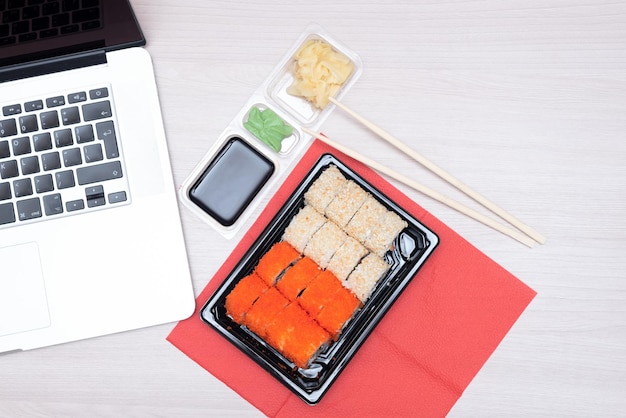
(23, 303)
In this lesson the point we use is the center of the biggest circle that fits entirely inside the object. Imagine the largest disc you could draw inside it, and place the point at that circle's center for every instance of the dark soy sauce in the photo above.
(230, 182)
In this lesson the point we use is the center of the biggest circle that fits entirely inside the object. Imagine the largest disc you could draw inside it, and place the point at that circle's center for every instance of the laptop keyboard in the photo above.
(28, 20)
(60, 155)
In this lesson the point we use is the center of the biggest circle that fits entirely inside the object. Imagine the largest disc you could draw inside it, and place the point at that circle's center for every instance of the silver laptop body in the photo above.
(90, 235)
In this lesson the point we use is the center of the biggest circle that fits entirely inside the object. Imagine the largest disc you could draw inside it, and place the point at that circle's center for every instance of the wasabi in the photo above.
(268, 127)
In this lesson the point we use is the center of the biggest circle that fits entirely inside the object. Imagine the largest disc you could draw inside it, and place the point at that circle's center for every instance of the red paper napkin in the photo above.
(420, 357)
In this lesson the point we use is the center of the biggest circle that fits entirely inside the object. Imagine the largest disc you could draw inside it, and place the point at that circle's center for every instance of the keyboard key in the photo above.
(70, 116)
(77, 97)
(93, 153)
(42, 142)
(63, 138)
(30, 12)
(49, 119)
(86, 15)
(7, 215)
(34, 105)
(91, 3)
(100, 93)
(8, 169)
(92, 203)
(94, 24)
(20, 27)
(11, 16)
(99, 110)
(30, 165)
(8, 127)
(9, 40)
(44, 183)
(55, 101)
(106, 132)
(28, 124)
(69, 29)
(51, 8)
(61, 19)
(117, 197)
(11, 110)
(31, 36)
(99, 173)
(94, 192)
(69, 5)
(65, 179)
(40, 23)
(52, 204)
(72, 157)
(51, 161)
(49, 33)
(29, 209)
(5, 191)
(75, 205)
(95, 196)
(21, 145)
(14, 4)
(22, 187)
(84, 134)
(5, 152)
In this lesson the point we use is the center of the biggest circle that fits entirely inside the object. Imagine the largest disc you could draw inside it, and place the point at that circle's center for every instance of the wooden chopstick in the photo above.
(513, 233)
(444, 174)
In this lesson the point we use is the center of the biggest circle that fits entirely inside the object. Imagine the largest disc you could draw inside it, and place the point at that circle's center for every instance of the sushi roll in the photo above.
(296, 335)
(264, 310)
(389, 227)
(345, 204)
(307, 287)
(325, 243)
(346, 258)
(295, 280)
(335, 315)
(275, 261)
(365, 276)
(366, 219)
(302, 227)
(324, 188)
(243, 295)
(319, 292)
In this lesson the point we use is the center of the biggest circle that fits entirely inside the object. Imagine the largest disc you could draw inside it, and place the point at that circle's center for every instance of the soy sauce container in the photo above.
(247, 159)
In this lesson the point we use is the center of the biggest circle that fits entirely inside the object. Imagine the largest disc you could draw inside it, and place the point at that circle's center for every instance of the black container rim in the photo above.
(332, 361)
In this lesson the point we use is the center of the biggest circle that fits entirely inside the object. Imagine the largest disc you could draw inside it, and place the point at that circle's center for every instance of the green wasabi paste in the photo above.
(268, 127)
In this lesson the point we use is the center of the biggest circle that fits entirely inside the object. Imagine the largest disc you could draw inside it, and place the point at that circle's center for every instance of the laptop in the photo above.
(90, 236)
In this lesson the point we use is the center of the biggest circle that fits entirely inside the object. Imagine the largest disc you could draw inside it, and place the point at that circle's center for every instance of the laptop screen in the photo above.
(34, 30)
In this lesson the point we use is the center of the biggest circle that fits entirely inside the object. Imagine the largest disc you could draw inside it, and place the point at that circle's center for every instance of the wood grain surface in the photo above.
(524, 101)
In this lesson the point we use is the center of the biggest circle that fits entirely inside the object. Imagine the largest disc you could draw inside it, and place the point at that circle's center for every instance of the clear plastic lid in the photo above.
(269, 126)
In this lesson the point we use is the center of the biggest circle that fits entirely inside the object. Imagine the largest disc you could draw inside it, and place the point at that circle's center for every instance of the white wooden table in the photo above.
(525, 101)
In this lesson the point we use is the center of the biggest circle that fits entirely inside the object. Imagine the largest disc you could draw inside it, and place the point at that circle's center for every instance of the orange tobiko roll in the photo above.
(296, 335)
(264, 311)
(243, 295)
(295, 280)
(319, 292)
(334, 316)
(275, 261)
